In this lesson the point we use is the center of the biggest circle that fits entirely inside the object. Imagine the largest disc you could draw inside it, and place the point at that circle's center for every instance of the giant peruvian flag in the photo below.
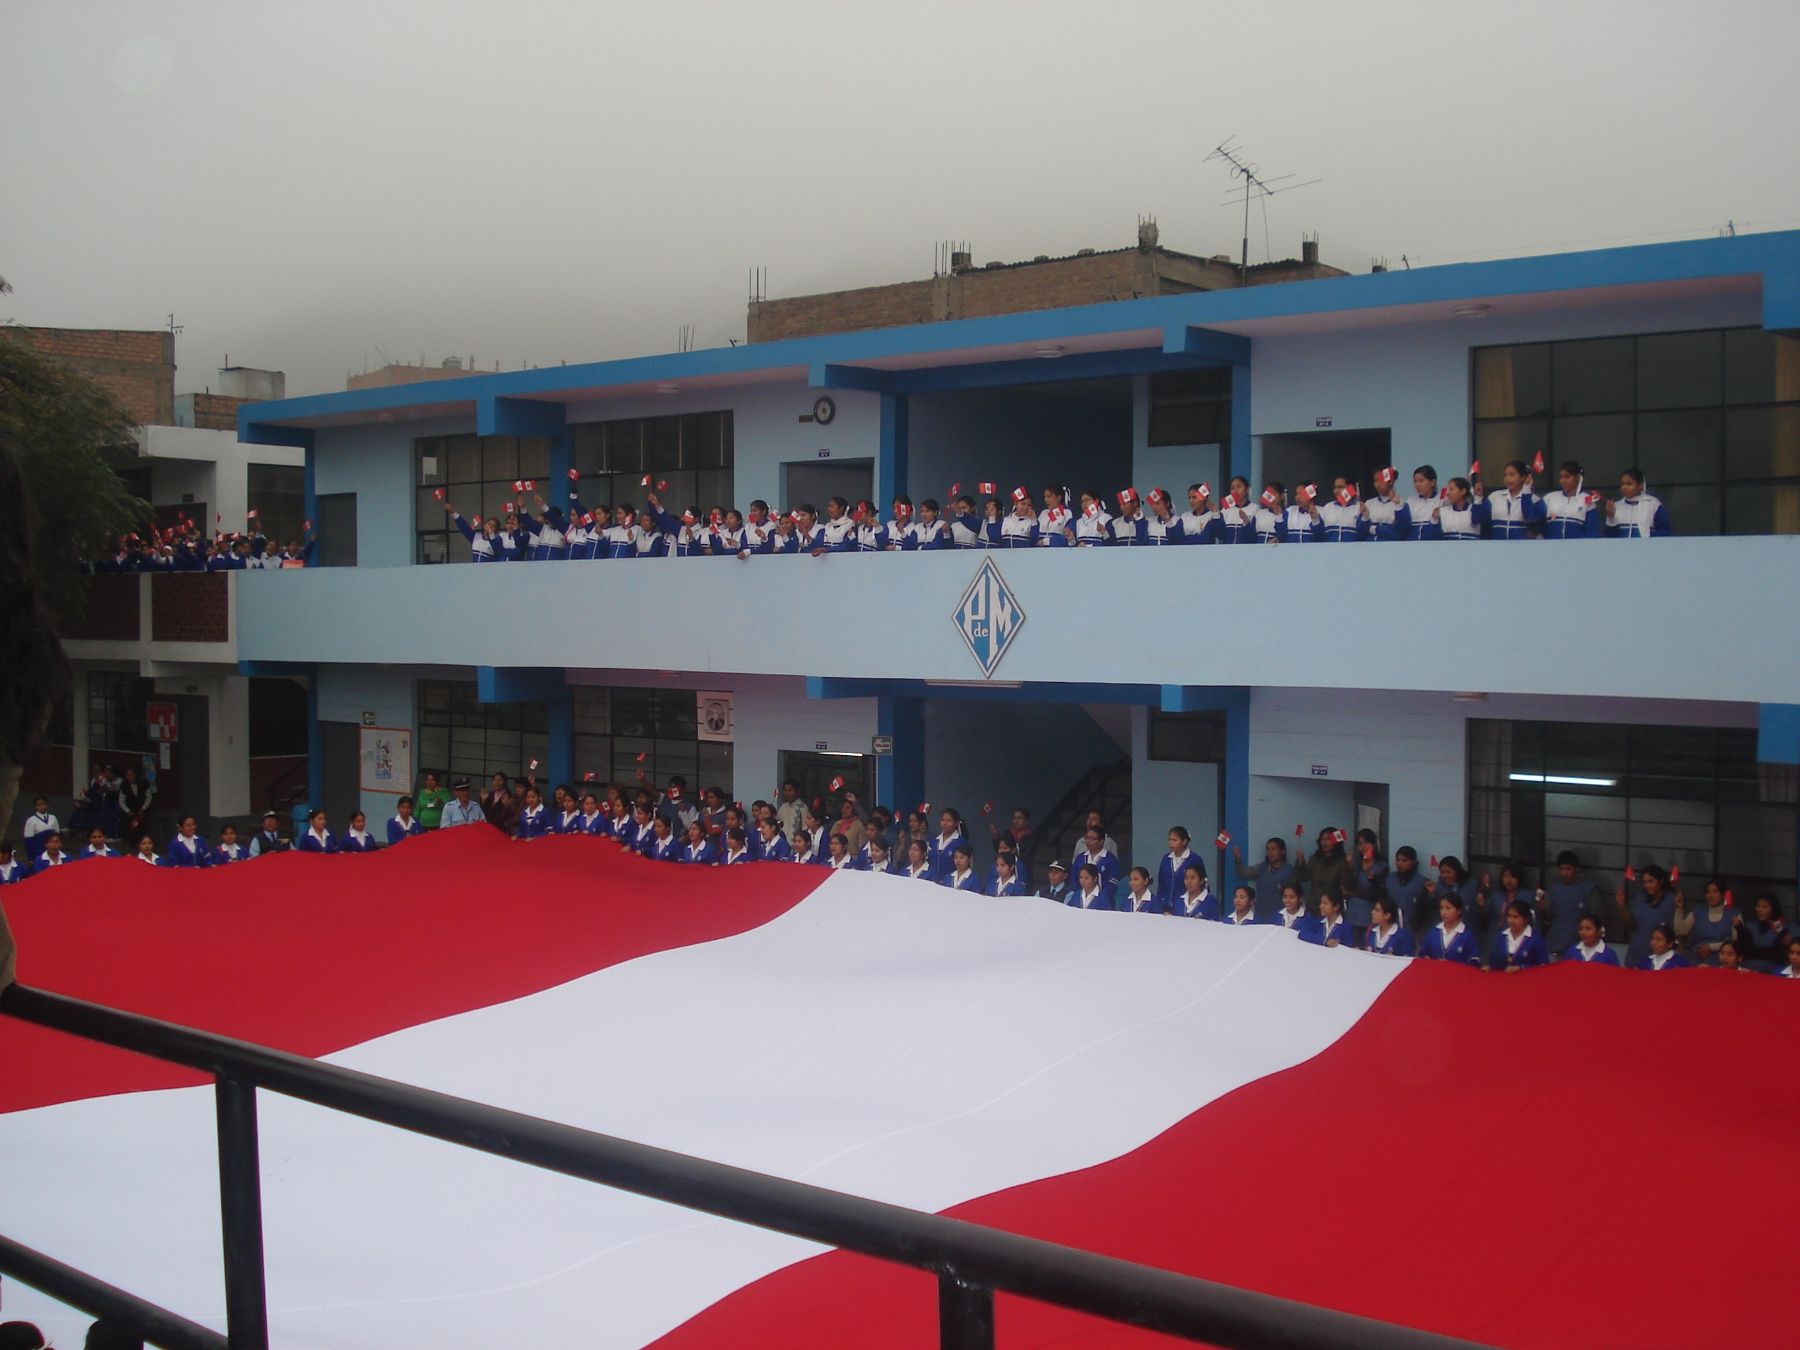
(1522, 1161)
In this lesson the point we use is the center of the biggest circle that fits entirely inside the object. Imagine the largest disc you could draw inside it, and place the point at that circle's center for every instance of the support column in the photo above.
(900, 777)
(315, 737)
(1239, 465)
(560, 704)
(890, 461)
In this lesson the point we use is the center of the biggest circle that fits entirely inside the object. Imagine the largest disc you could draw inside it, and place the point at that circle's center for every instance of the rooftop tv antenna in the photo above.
(1255, 187)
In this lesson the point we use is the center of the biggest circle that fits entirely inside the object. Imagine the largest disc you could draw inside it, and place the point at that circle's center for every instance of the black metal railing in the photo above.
(971, 1262)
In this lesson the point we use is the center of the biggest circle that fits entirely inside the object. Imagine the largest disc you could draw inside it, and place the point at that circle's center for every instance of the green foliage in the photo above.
(70, 437)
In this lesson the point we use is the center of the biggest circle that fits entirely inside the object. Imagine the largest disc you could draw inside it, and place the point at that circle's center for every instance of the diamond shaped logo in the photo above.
(989, 617)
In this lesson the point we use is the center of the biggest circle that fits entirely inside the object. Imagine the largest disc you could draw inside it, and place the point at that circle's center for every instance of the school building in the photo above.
(1636, 700)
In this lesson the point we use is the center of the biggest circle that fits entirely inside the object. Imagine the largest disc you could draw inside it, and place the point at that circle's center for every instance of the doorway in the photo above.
(815, 771)
(337, 530)
(340, 779)
(818, 482)
(1319, 456)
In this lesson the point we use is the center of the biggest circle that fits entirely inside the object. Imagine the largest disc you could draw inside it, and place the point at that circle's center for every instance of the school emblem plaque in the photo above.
(989, 617)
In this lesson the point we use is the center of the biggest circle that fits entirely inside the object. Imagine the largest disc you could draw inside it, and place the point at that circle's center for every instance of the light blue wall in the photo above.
(375, 461)
(1414, 377)
(1448, 603)
(1170, 466)
(1170, 792)
(347, 692)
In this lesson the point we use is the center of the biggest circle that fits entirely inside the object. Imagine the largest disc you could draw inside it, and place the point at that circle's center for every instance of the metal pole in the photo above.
(240, 1206)
(97, 1298)
(965, 1314)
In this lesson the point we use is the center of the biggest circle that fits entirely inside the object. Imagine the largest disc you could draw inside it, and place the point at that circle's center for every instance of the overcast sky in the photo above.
(312, 185)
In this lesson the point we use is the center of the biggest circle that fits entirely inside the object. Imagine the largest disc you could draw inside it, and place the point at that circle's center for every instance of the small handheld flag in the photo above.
(1346, 494)
(1537, 462)
(1222, 839)
(1300, 831)
(640, 756)
(1630, 872)
(1433, 863)
(438, 493)
(987, 808)
(1270, 497)
(1091, 510)
(1387, 476)
(1475, 469)
(1338, 836)
(644, 481)
(1308, 493)
(574, 475)
(1019, 494)
(518, 485)
(1127, 496)
(955, 488)
(1205, 491)
(986, 489)
(532, 766)
(837, 783)
(252, 513)
(1674, 874)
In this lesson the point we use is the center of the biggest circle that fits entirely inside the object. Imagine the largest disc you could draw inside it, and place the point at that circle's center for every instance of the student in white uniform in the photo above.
(1266, 519)
(1055, 520)
(1237, 517)
(1636, 514)
(1383, 509)
(965, 523)
(1090, 527)
(1129, 527)
(1301, 522)
(1162, 525)
(1418, 517)
(39, 826)
(1515, 510)
(1572, 512)
(1200, 523)
(1461, 515)
(1020, 527)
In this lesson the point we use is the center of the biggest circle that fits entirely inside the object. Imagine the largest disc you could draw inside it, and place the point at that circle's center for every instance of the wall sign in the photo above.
(988, 617)
(385, 759)
(1321, 422)
(881, 745)
(1321, 771)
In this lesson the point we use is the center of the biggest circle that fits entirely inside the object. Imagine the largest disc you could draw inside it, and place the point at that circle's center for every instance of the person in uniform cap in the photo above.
(1058, 887)
(462, 811)
(268, 839)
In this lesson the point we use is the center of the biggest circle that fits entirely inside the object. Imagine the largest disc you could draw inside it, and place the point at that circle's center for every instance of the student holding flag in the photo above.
(1637, 514)
(1515, 510)
(1572, 512)
(1019, 528)
(1237, 518)
(1461, 515)
(1341, 519)
(1091, 527)
(1383, 511)
(1201, 522)
(1267, 518)
(1055, 519)
(1417, 517)
(1128, 528)
(966, 527)
(1300, 522)
(1162, 525)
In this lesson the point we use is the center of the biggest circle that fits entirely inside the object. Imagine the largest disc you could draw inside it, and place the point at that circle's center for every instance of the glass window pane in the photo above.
(433, 547)
(465, 459)
(434, 461)
(587, 445)
(1593, 376)
(499, 458)
(1512, 381)
(1762, 442)
(1679, 370)
(713, 488)
(1604, 446)
(534, 460)
(662, 448)
(1762, 509)
(1761, 367)
(1693, 509)
(1679, 447)
(625, 446)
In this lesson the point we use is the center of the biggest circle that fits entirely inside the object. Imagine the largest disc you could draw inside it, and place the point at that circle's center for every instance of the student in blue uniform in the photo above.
(1517, 946)
(1791, 971)
(187, 848)
(839, 856)
(1270, 875)
(146, 853)
(951, 832)
(483, 544)
(546, 533)
(1088, 893)
(403, 824)
(1266, 518)
(1515, 511)
(1169, 883)
(1461, 515)
(1006, 880)
(39, 826)
(918, 861)
(1636, 514)
(1662, 954)
(357, 839)
(1055, 518)
(1651, 905)
(97, 846)
(228, 850)
(592, 819)
(1449, 939)
(1195, 900)
(875, 856)
(1342, 514)
(1019, 529)
(1454, 879)
(665, 845)
(928, 533)
(12, 870)
(1293, 908)
(1365, 883)
(1417, 516)
(1237, 516)
(52, 854)
(1162, 525)
(1094, 852)
(1765, 933)
(1568, 899)
(1387, 936)
(1200, 523)
(1589, 947)
(534, 820)
(1328, 927)
(1489, 914)
(772, 846)
(1129, 528)
(1243, 908)
(697, 847)
(737, 847)
(316, 839)
(961, 876)
(1300, 522)
(1405, 887)
(1572, 512)
(1140, 895)
(640, 838)
(967, 529)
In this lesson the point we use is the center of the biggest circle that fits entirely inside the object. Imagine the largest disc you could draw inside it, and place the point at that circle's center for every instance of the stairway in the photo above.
(1105, 788)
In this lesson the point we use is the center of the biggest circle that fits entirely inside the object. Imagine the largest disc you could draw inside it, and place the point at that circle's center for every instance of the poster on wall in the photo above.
(386, 759)
(712, 712)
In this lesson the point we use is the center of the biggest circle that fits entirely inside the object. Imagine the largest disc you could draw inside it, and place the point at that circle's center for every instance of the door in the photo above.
(807, 482)
(337, 531)
(189, 754)
(816, 771)
(1318, 456)
(341, 776)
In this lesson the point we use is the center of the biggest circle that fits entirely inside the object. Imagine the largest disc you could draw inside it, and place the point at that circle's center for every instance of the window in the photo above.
(278, 496)
(1196, 737)
(1712, 417)
(477, 476)
(117, 717)
(459, 734)
(691, 452)
(1694, 797)
(623, 733)
(1191, 407)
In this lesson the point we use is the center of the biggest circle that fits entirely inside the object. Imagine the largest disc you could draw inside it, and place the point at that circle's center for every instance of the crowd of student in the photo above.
(184, 547)
(1346, 894)
(1462, 508)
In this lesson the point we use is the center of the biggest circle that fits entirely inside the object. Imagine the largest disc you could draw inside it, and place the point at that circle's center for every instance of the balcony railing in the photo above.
(162, 607)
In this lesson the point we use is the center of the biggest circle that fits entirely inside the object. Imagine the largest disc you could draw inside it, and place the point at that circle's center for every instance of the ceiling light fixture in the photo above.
(667, 387)
(1471, 310)
(1048, 352)
(1562, 780)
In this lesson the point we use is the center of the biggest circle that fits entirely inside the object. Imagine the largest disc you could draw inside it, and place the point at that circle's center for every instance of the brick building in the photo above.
(136, 367)
(966, 291)
(387, 376)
